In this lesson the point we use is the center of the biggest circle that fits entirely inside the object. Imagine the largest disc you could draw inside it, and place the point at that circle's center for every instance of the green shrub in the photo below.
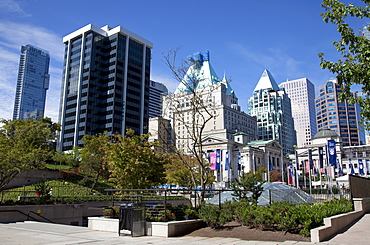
(214, 216)
(111, 212)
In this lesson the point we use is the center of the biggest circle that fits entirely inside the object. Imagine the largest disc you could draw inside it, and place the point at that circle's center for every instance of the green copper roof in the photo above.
(201, 74)
(260, 142)
(266, 82)
(325, 133)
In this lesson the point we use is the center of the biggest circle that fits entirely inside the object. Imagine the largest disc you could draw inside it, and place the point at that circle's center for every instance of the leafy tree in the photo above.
(24, 144)
(72, 157)
(191, 110)
(354, 68)
(182, 169)
(248, 187)
(92, 156)
(133, 164)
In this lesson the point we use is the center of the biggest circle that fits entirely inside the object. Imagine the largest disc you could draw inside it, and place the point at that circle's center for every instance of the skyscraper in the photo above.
(302, 96)
(105, 84)
(156, 92)
(272, 108)
(341, 117)
(33, 81)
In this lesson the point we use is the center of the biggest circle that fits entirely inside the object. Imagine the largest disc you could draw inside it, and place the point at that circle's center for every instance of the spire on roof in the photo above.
(199, 75)
(266, 82)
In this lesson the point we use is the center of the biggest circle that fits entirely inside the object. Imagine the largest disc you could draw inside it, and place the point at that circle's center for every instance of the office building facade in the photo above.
(302, 96)
(156, 92)
(32, 84)
(105, 84)
(341, 117)
(272, 108)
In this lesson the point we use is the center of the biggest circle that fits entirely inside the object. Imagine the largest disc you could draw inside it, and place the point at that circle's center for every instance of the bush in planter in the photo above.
(191, 213)
(214, 216)
(111, 212)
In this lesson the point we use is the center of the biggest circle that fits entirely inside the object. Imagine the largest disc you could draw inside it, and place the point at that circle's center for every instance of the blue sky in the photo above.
(244, 37)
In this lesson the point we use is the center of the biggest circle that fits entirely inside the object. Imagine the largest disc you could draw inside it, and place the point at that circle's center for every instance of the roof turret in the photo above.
(266, 82)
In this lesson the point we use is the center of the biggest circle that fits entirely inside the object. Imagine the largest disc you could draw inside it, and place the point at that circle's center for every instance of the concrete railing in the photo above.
(161, 229)
(333, 225)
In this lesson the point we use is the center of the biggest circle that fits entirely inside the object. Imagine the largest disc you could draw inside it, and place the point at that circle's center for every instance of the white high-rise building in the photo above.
(302, 96)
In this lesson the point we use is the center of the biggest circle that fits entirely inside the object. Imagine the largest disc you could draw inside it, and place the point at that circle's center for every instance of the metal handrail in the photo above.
(28, 215)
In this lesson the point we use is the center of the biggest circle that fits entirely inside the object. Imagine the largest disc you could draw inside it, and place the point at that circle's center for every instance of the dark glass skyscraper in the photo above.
(341, 117)
(105, 84)
(33, 81)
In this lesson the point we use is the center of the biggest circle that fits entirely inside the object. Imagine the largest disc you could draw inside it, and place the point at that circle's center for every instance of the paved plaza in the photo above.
(32, 233)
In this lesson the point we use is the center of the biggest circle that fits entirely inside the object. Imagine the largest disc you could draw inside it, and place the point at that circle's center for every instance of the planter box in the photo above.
(173, 228)
(161, 229)
(103, 224)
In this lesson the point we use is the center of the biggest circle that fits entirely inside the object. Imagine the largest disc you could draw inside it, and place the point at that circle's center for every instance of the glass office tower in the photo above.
(105, 84)
(33, 81)
(341, 117)
(272, 108)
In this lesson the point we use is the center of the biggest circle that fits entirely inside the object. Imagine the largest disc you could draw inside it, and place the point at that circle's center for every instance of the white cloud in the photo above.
(12, 37)
(12, 7)
(169, 81)
(279, 63)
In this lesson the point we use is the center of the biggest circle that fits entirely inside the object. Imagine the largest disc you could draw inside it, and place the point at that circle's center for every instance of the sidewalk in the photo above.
(32, 233)
(356, 234)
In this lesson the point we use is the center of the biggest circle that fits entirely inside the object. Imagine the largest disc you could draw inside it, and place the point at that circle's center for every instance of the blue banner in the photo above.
(332, 153)
(218, 159)
(340, 171)
(351, 167)
(227, 164)
(271, 168)
(360, 167)
(310, 161)
(321, 157)
(239, 161)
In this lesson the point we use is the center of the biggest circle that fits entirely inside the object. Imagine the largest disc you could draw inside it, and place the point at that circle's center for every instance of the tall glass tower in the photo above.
(341, 117)
(33, 81)
(105, 85)
(272, 108)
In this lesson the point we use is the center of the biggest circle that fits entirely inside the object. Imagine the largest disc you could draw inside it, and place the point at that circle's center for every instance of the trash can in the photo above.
(132, 218)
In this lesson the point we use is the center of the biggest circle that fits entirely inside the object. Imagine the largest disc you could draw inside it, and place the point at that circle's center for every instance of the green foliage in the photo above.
(214, 216)
(111, 212)
(24, 144)
(42, 189)
(277, 216)
(133, 164)
(72, 158)
(247, 188)
(92, 157)
(184, 170)
(354, 68)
